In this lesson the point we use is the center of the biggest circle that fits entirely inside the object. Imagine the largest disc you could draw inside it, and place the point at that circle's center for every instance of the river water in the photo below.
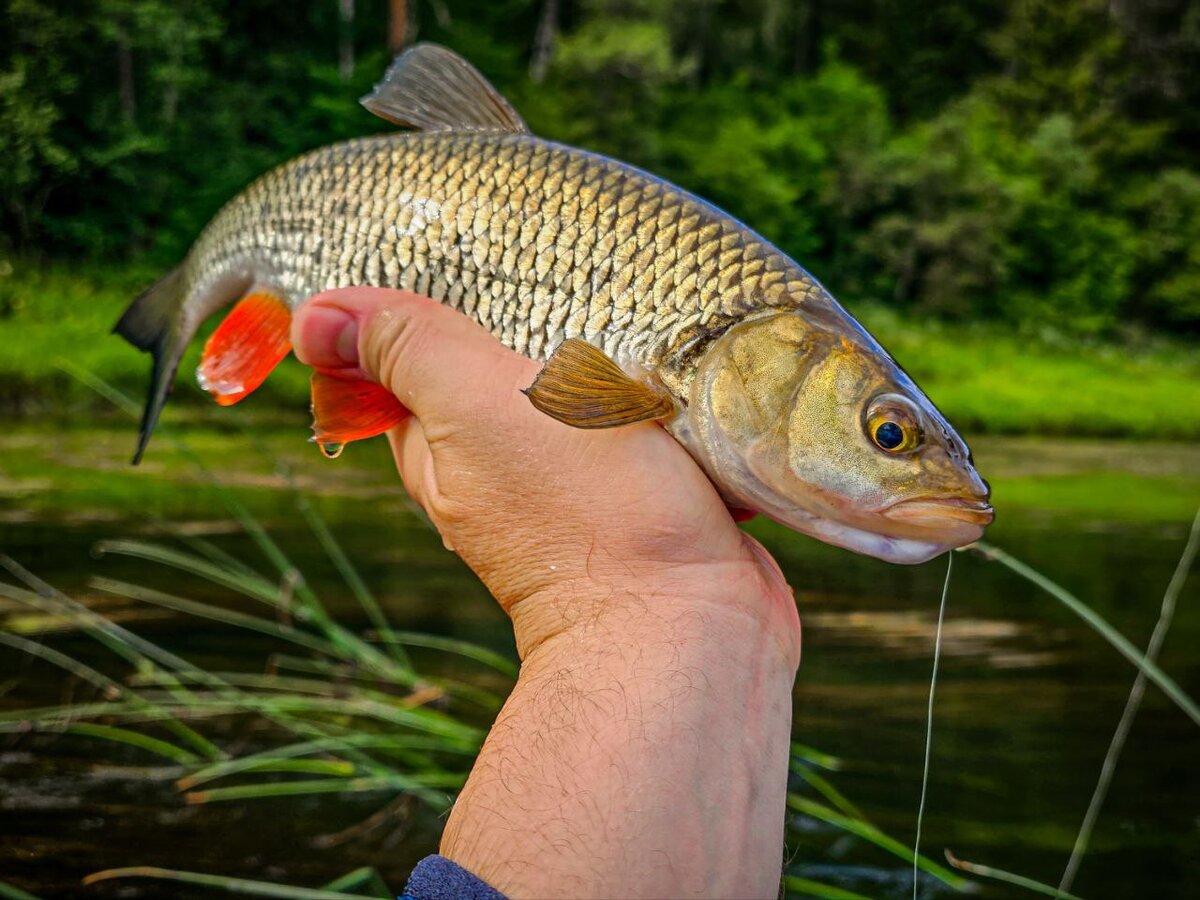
(1027, 700)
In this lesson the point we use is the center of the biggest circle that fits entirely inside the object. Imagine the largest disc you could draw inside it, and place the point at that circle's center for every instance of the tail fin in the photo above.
(151, 323)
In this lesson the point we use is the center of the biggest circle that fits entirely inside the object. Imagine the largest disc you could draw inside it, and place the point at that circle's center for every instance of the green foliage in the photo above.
(984, 222)
(34, 158)
(1168, 210)
(789, 163)
(1028, 162)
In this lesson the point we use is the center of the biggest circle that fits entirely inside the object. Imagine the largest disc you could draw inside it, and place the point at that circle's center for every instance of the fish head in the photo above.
(805, 418)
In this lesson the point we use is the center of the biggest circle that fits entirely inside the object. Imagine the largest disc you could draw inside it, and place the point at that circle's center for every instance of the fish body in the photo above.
(590, 264)
(536, 241)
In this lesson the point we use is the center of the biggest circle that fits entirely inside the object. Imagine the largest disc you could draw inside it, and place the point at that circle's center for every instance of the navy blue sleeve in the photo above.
(437, 878)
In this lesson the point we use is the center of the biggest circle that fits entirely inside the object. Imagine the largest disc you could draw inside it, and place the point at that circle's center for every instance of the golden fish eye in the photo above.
(892, 424)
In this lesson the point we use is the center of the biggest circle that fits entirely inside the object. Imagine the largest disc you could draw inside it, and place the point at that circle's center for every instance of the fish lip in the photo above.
(973, 511)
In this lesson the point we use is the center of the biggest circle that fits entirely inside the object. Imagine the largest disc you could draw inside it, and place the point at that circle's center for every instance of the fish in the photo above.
(644, 302)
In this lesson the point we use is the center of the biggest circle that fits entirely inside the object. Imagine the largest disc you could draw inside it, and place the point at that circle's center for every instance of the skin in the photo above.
(644, 749)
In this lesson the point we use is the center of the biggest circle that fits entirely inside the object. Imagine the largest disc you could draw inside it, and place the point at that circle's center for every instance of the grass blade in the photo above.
(310, 611)
(76, 668)
(364, 879)
(349, 573)
(255, 588)
(421, 786)
(304, 748)
(233, 885)
(212, 552)
(8, 892)
(871, 834)
(342, 673)
(806, 888)
(142, 654)
(134, 739)
(451, 645)
(214, 613)
(120, 400)
(1007, 877)
(112, 688)
(815, 757)
(1122, 645)
(339, 636)
(822, 786)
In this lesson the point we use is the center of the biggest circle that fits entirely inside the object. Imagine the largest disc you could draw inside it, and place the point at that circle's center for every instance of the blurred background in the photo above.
(1006, 193)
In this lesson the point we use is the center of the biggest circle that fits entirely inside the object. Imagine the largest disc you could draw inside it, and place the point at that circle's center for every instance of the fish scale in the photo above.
(536, 241)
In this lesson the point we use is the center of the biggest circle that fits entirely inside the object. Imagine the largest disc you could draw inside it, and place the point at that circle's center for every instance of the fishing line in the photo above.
(937, 655)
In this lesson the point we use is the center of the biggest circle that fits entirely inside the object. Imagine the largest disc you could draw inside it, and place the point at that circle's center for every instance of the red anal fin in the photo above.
(347, 409)
(739, 514)
(244, 349)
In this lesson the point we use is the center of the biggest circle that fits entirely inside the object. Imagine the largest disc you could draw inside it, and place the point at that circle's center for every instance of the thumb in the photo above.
(433, 358)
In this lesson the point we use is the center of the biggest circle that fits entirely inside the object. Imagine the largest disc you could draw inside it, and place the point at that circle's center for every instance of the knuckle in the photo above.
(448, 513)
(394, 347)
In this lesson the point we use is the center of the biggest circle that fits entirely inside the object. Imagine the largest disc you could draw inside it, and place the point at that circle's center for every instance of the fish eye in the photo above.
(889, 435)
(892, 424)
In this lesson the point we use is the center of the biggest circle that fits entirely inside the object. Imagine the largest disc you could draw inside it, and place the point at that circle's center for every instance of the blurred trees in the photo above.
(1030, 161)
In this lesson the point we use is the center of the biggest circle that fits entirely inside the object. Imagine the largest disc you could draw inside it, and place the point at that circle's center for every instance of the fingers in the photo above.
(414, 461)
(430, 356)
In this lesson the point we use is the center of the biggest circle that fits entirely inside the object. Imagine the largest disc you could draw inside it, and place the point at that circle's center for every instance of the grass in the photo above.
(48, 315)
(989, 380)
(1104, 496)
(986, 378)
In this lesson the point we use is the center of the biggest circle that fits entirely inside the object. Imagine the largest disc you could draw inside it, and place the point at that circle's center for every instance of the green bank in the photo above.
(988, 378)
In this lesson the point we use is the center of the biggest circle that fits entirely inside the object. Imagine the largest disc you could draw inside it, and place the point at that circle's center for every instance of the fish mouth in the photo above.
(928, 510)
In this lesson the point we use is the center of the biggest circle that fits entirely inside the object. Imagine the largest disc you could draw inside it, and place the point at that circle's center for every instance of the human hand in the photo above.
(547, 515)
(643, 751)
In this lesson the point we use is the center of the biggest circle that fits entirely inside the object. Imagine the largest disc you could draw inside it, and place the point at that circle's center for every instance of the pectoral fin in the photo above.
(582, 387)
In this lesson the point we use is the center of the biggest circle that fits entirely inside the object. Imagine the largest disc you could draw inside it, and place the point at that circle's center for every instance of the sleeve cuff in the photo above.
(437, 878)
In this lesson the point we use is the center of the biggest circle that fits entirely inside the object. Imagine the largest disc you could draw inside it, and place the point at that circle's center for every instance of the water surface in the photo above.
(1026, 704)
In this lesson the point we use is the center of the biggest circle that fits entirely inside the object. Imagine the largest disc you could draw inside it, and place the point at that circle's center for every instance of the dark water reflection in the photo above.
(1026, 704)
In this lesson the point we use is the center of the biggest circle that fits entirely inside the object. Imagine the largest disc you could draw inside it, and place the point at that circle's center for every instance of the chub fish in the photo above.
(645, 302)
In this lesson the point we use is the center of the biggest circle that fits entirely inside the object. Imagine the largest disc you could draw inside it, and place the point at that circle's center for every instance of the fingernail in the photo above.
(347, 341)
(328, 338)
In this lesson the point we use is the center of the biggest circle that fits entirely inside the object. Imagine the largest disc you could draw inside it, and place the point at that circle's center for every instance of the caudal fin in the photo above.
(151, 323)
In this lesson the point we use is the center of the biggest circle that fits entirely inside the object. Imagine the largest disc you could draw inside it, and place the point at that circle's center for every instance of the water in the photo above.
(1027, 700)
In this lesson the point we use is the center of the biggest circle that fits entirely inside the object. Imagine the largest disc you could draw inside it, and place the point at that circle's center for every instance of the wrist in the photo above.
(714, 607)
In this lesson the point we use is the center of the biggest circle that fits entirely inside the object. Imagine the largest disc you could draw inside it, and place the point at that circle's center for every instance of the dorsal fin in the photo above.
(431, 88)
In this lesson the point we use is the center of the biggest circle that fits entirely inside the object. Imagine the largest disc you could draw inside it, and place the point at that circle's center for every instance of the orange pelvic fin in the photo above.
(244, 349)
(348, 409)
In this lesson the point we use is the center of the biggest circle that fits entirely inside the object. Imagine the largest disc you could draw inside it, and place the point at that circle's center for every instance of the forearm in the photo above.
(643, 753)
